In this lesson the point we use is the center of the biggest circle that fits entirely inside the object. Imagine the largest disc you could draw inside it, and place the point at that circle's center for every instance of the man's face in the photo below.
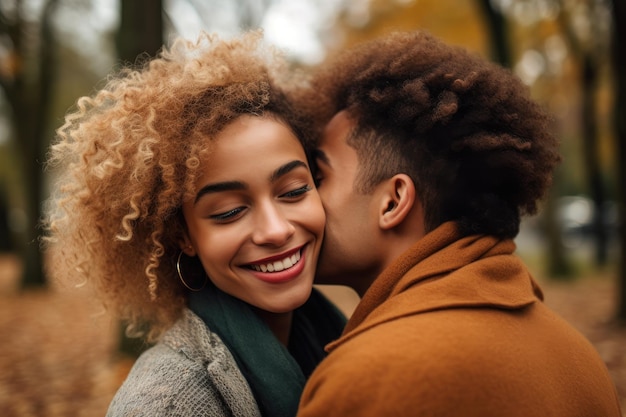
(350, 254)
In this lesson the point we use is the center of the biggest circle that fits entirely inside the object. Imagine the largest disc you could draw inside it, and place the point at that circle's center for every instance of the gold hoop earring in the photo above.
(180, 276)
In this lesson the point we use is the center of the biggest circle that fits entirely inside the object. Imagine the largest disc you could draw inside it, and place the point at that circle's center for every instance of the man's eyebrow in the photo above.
(288, 167)
(320, 155)
(219, 187)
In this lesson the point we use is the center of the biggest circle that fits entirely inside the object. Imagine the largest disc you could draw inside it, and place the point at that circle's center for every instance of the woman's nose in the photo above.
(272, 226)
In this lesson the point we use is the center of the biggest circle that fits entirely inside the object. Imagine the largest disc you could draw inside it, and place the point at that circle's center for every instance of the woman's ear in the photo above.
(398, 199)
(186, 246)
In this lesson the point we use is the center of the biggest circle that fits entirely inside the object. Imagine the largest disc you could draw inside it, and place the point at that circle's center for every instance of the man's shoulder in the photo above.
(421, 334)
(480, 358)
(445, 346)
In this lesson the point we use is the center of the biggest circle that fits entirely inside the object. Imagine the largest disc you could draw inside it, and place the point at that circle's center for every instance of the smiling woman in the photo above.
(185, 197)
(252, 215)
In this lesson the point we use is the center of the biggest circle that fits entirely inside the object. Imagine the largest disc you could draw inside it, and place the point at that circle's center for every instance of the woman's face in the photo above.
(256, 221)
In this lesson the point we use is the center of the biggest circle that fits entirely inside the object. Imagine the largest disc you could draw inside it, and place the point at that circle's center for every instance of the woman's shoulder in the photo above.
(188, 372)
(190, 337)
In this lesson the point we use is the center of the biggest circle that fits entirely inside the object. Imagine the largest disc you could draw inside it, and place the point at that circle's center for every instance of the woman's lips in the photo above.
(279, 265)
(280, 269)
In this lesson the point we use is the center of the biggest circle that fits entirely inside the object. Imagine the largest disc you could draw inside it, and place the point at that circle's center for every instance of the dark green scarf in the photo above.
(275, 375)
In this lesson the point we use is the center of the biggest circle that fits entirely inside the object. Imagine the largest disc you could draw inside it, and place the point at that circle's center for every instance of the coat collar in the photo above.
(443, 271)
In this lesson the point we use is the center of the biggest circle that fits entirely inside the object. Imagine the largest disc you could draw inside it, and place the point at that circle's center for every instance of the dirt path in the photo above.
(590, 305)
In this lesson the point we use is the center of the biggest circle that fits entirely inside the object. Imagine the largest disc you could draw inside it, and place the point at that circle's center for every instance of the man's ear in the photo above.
(398, 199)
(186, 246)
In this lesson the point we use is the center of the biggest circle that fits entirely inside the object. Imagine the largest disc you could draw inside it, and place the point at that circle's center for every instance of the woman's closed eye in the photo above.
(298, 192)
(233, 214)
(227, 215)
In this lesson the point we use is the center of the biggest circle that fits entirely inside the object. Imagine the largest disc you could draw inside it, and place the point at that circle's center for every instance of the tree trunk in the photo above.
(589, 60)
(591, 157)
(499, 35)
(140, 32)
(619, 119)
(30, 101)
(558, 265)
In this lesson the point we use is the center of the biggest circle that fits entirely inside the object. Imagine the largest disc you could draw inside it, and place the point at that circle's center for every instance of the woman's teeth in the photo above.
(277, 266)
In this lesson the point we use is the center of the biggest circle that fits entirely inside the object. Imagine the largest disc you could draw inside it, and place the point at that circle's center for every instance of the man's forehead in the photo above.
(334, 149)
(338, 127)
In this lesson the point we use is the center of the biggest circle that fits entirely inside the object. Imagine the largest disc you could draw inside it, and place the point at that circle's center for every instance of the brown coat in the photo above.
(457, 327)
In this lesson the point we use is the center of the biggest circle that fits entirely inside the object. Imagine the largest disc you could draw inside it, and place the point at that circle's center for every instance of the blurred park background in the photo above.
(61, 354)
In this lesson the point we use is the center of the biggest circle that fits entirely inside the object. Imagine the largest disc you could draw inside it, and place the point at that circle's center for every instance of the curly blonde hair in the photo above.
(129, 155)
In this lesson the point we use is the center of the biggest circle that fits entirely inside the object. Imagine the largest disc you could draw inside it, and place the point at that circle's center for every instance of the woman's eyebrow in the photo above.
(288, 167)
(238, 185)
(219, 187)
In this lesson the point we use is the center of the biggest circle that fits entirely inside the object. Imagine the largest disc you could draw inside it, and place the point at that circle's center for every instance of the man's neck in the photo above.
(395, 246)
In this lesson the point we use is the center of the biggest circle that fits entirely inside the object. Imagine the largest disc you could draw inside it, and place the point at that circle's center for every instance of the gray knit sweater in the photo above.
(190, 372)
